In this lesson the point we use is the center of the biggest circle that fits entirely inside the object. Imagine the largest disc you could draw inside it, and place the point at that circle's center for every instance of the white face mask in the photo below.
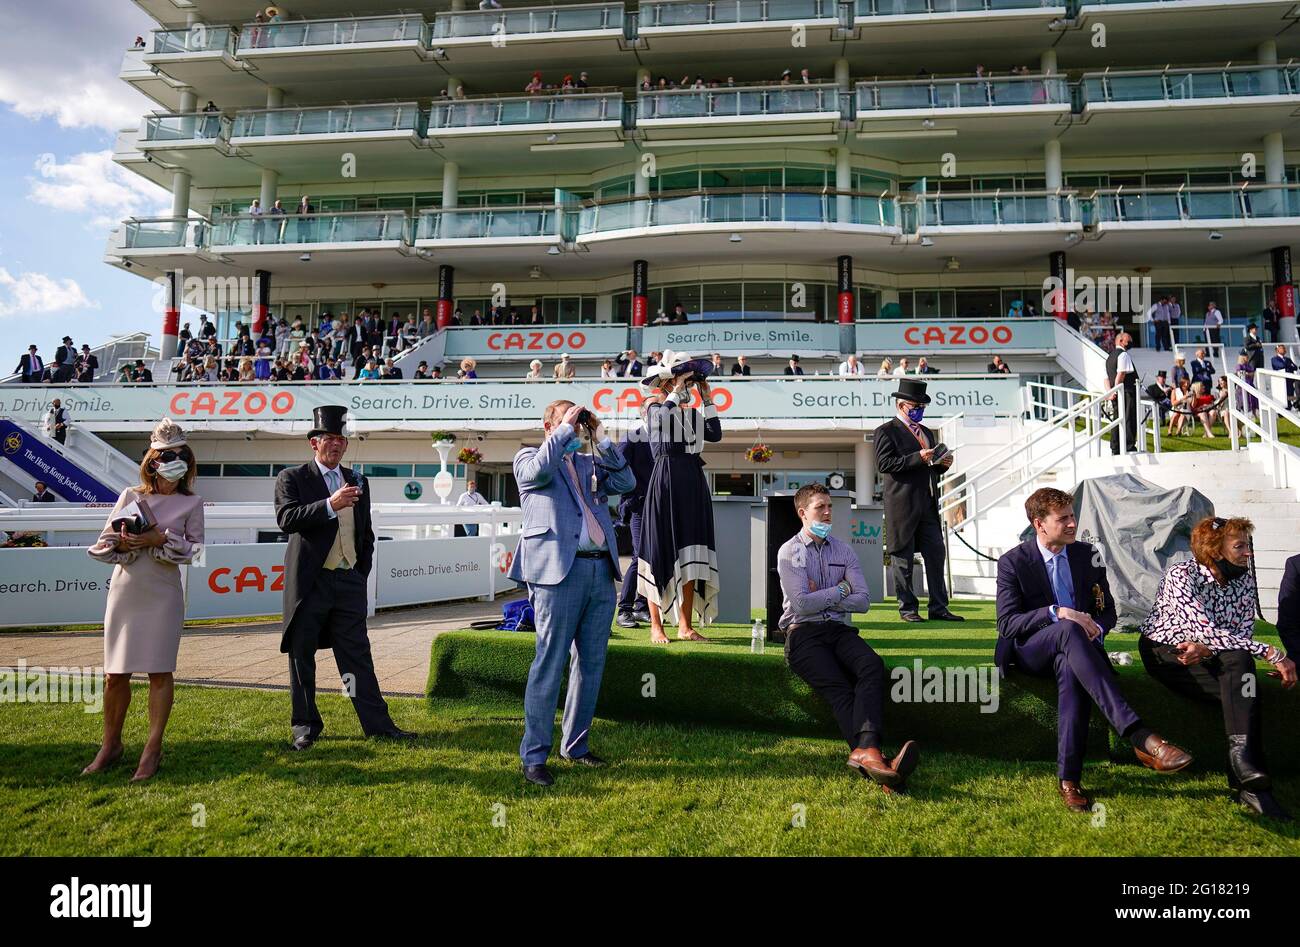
(173, 470)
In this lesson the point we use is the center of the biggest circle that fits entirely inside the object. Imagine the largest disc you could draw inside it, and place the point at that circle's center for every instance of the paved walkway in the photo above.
(248, 654)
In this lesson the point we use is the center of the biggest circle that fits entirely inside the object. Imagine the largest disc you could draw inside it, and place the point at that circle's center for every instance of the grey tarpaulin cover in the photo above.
(1141, 529)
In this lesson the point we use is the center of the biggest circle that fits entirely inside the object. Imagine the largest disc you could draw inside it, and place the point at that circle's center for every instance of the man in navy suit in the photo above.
(1054, 609)
(1288, 606)
(567, 558)
(1281, 362)
(629, 366)
(635, 449)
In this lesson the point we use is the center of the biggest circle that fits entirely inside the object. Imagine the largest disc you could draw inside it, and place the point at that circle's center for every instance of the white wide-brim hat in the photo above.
(676, 363)
(166, 435)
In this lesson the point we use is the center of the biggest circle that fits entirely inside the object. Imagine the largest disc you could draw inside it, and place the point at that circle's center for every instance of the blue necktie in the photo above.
(1064, 597)
(332, 478)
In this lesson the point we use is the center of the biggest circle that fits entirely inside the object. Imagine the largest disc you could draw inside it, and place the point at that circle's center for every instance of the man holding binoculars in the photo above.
(568, 558)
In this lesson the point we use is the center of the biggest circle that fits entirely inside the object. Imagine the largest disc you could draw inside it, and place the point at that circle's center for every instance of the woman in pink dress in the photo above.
(146, 604)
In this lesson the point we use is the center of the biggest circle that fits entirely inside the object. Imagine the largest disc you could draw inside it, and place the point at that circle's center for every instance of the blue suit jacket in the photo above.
(548, 542)
(1288, 607)
(636, 451)
(1025, 594)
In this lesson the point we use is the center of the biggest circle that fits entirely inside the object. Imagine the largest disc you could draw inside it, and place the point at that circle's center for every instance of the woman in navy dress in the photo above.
(677, 562)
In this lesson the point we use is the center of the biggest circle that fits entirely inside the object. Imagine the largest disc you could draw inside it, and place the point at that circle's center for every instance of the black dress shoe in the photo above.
(1245, 774)
(945, 616)
(539, 775)
(397, 733)
(910, 616)
(590, 759)
(1261, 802)
(642, 616)
(304, 742)
(626, 621)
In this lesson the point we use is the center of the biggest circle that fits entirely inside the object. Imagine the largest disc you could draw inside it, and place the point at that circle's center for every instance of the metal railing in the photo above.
(740, 205)
(341, 31)
(484, 223)
(933, 93)
(516, 21)
(1246, 201)
(199, 38)
(330, 120)
(661, 13)
(1284, 460)
(868, 8)
(550, 109)
(1181, 85)
(365, 226)
(746, 100)
(162, 127)
(997, 208)
(157, 233)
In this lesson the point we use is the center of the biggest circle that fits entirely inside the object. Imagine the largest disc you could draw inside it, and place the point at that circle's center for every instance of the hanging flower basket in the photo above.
(442, 437)
(759, 454)
(469, 455)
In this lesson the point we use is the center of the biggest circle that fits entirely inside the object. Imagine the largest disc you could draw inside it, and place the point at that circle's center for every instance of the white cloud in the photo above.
(91, 184)
(61, 59)
(33, 293)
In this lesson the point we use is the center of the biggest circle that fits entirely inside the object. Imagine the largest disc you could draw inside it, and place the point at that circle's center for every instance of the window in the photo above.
(246, 470)
(208, 470)
(762, 300)
(733, 485)
(428, 471)
(386, 470)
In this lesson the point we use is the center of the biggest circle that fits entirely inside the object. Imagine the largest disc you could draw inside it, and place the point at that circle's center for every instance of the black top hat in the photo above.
(328, 419)
(911, 389)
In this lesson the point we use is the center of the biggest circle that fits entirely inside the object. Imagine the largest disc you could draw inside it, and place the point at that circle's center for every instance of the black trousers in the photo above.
(1220, 680)
(928, 541)
(628, 600)
(1130, 422)
(337, 603)
(844, 671)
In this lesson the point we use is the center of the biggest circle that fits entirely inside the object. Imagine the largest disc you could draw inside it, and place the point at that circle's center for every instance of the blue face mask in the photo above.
(573, 446)
(916, 414)
(820, 530)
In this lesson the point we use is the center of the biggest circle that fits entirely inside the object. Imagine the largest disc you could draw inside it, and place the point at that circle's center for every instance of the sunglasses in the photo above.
(167, 456)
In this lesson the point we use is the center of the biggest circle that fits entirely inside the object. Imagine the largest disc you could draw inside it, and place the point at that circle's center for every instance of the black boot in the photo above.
(1248, 777)
(1261, 802)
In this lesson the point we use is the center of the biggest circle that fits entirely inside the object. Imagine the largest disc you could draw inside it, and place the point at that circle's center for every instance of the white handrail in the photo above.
(1281, 454)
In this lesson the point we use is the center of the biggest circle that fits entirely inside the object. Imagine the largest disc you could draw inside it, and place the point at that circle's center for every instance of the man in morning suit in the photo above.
(821, 587)
(30, 366)
(1288, 606)
(1054, 609)
(325, 509)
(905, 455)
(567, 558)
(633, 610)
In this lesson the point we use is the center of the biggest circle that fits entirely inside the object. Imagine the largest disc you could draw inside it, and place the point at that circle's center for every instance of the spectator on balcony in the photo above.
(851, 368)
(87, 365)
(1106, 330)
(607, 370)
(65, 361)
(1253, 348)
(489, 5)
(243, 345)
(139, 43)
(1269, 319)
(998, 367)
(679, 313)
(142, 373)
(211, 370)
(467, 370)
(246, 370)
(652, 359)
(566, 84)
(534, 84)
(277, 225)
(358, 363)
(305, 222)
(741, 367)
(56, 421)
(389, 371)
(923, 367)
(903, 367)
(369, 371)
(564, 370)
(258, 228)
(280, 370)
(1202, 405)
(1245, 371)
(329, 370)
(629, 366)
(436, 375)
(411, 333)
(427, 324)
(1158, 314)
(661, 319)
(476, 319)
(456, 316)
(886, 368)
(1203, 370)
(1213, 324)
(356, 336)
(785, 77)
(421, 371)
(42, 494)
(211, 120)
(1181, 400)
(535, 317)
(646, 86)
(206, 329)
(716, 359)
(262, 361)
(582, 80)
(1180, 371)
(1017, 309)
(1282, 362)
(792, 367)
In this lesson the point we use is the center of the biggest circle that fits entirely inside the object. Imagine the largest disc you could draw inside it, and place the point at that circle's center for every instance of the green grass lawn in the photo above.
(1193, 438)
(673, 789)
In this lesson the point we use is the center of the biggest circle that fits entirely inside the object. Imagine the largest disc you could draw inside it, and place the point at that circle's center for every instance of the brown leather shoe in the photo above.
(881, 772)
(1162, 756)
(1074, 796)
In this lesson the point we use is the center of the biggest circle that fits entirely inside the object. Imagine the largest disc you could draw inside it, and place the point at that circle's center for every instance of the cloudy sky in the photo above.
(61, 105)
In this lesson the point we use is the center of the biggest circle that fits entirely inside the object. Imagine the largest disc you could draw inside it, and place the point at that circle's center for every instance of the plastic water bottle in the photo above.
(757, 637)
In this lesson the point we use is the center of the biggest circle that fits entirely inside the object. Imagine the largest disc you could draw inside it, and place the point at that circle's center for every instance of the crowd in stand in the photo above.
(69, 364)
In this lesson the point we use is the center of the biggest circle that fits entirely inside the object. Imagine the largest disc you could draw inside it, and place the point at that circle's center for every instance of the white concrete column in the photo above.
(451, 184)
(1047, 62)
(181, 194)
(864, 470)
(1266, 53)
(1052, 163)
(1274, 159)
(452, 82)
(270, 183)
(843, 182)
(842, 78)
(640, 188)
(187, 106)
(274, 97)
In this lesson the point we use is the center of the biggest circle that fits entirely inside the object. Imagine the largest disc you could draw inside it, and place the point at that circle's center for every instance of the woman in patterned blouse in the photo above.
(1199, 642)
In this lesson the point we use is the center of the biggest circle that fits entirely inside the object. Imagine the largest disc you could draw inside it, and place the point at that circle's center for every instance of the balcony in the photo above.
(535, 223)
(183, 130)
(1188, 86)
(573, 110)
(326, 51)
(876, 9)
(900, 27)
(308, 230)
(553, 37)
(493, 134)
(988, 213)
(198, 41)
(162, 233)
(923, 96)
(1194, 206)
(755, 110)
(689, 27)
(385, 139)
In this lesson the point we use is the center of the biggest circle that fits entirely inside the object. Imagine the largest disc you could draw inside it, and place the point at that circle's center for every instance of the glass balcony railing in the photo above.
(488, 223)
(185, 126)
(1010, 91)
(866, 8)
(1193, 203)
(997, 210)
(527, 110)
(714, 103)
(199, 38)
(1180, 85)
(345, 31)
(519, 21)
(740, 206)
(696, 13)
(332, 120)
(243, 230)
(160, 233)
